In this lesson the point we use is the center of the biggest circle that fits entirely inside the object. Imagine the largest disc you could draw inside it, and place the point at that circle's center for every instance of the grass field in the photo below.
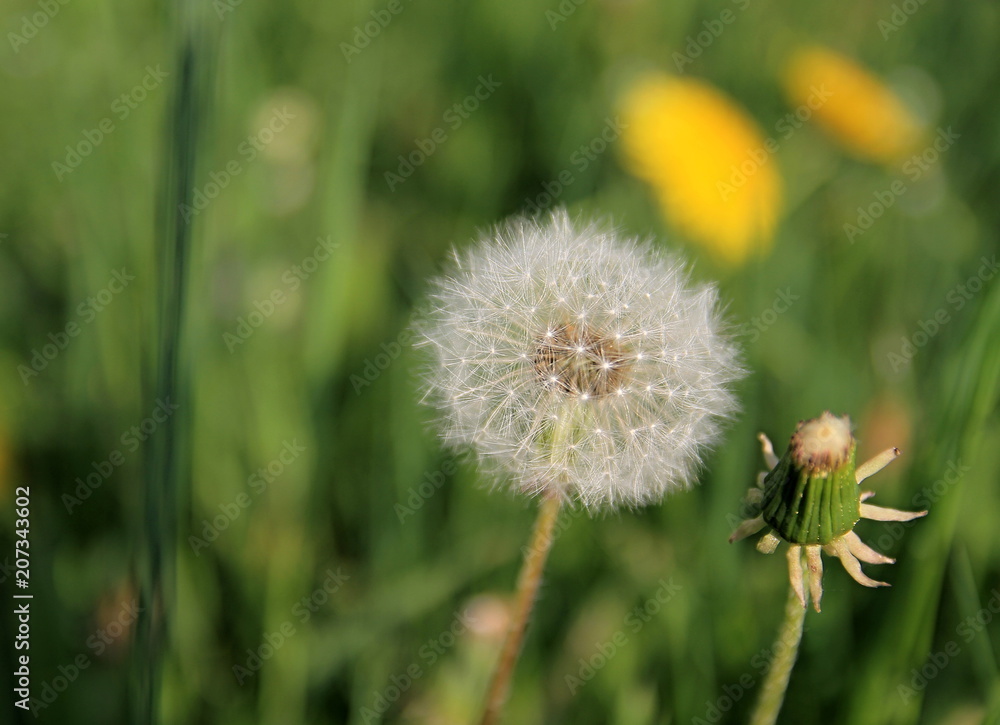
(216, 223)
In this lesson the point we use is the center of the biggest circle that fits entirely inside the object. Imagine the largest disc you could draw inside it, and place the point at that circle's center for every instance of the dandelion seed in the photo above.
(570, 368)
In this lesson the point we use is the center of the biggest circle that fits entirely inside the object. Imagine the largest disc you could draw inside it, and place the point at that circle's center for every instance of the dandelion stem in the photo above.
(527, 589)
(786, 649)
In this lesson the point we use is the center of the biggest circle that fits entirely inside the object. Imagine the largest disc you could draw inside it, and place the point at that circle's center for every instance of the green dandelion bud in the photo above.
(811, 498)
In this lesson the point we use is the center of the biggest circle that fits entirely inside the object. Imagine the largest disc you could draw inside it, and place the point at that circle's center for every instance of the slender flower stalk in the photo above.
(786, 649)
(579, 367)
(811, 498)
(527, 591)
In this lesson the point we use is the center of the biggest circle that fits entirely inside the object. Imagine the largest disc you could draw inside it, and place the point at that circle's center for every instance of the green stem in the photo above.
(527, 589)
(167, 459)
(786, 649)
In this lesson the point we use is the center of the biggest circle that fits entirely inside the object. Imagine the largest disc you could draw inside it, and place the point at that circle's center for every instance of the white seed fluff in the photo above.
(576, 362)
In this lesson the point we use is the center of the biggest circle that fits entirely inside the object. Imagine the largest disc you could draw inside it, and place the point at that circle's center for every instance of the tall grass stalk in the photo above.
(166, 458)
(960, 405)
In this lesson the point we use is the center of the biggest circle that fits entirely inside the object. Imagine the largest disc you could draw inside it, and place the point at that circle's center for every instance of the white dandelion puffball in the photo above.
(577, 363)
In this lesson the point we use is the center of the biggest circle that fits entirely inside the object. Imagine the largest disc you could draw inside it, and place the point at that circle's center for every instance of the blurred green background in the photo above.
(331, 563)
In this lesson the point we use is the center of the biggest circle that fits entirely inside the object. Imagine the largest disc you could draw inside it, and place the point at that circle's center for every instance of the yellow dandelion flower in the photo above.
(711, 168)
(861, 112)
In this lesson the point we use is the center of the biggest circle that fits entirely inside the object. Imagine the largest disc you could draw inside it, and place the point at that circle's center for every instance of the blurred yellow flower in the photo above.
(708, 163)
(862, 113)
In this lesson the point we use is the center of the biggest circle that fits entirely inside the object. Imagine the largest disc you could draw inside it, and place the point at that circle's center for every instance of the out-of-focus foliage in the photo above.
(333, 565)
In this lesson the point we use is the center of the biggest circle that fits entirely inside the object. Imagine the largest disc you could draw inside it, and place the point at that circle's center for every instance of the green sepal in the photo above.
(808, 507)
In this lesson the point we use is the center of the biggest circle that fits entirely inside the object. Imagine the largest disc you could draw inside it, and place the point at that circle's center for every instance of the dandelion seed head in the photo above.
(572, 360)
